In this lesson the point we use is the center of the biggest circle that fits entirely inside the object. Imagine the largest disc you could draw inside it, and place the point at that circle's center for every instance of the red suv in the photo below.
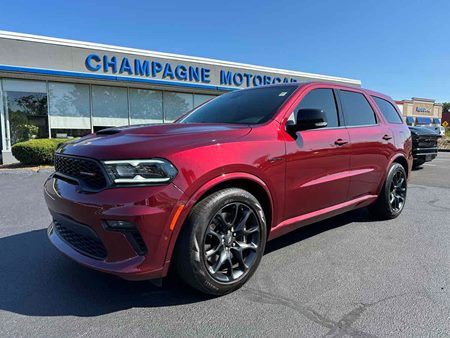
(205, 193)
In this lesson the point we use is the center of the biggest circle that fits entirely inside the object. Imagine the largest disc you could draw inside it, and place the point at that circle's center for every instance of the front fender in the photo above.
(188, 203)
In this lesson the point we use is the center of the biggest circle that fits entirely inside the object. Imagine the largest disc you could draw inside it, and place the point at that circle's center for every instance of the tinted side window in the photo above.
(357, 110)
(321, 99)
(388, 110)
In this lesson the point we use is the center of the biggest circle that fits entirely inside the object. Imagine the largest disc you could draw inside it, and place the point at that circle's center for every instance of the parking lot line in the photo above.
(434, 165)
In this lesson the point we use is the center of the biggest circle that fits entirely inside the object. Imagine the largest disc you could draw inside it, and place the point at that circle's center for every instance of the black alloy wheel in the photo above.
(222, 241)
(231, 242)
(397, 195)
(392, 197)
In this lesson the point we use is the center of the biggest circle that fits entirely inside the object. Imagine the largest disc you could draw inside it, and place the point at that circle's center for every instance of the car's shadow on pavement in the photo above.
(35, 280)
(359, 215)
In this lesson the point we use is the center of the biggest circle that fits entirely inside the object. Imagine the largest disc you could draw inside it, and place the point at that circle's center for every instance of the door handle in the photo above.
(340, 142)
(387, 137)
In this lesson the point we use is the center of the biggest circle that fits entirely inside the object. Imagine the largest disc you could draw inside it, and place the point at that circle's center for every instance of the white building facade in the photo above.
(62, 88)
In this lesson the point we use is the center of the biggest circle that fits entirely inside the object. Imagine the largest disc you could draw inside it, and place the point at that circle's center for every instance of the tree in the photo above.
(446, 107)
(34, 104)
(26, 114)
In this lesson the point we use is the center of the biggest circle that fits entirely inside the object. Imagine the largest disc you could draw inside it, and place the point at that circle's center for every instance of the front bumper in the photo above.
(425, 154)
(85, 236)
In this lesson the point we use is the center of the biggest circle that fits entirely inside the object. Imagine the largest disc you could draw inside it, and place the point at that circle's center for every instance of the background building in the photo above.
(56, 88)
(419, 111)
(446, 117)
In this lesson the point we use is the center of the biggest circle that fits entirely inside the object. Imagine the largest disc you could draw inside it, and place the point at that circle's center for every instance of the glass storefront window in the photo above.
(145, 106)
(69, 107)
(31, 107)
(176, 104)
(109, 106)
(26, 109)
(3, 143)
(69, 133)
(201, 98)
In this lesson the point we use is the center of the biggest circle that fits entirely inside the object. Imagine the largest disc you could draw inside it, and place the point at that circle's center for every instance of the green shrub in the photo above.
(25, 132)
(38, 151)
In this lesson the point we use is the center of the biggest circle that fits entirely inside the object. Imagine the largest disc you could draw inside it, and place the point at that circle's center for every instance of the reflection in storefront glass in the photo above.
(145, 106)
(176, 104)
(27, 115)
(73, 110)
(69, 99)
(69, 109)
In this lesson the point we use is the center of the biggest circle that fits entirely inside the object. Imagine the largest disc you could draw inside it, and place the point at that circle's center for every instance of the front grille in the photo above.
(85, 171)
(426, 142)
(89, 245)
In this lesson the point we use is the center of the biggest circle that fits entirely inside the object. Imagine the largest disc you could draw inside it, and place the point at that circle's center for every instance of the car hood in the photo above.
(421, 131)
(151, 140)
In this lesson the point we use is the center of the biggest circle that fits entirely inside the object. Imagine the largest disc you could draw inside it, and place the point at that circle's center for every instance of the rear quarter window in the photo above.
(356, 108)
(388, 110)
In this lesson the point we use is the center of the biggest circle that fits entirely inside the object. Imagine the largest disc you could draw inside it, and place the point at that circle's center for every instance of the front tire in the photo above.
(222, 242)
(392, 198)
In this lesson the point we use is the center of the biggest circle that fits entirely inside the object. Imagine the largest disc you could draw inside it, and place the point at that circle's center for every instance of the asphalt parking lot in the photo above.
(347, 276)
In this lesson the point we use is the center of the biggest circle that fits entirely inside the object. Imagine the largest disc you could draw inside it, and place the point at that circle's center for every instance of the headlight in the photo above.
(141, 171)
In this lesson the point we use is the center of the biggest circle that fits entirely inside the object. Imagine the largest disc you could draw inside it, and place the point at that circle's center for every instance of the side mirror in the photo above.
(307, 119)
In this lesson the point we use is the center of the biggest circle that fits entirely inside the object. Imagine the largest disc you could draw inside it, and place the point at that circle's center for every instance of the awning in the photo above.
(436, 121)
(423, 120)
(409, 119)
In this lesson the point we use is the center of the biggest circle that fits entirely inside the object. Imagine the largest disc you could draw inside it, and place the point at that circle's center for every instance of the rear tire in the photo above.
(222, 242)
(392, 198)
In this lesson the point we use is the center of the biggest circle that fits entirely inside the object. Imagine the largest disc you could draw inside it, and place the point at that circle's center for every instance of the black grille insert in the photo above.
(137, 242)
(85, 171)
(81, 238)
(427, 142)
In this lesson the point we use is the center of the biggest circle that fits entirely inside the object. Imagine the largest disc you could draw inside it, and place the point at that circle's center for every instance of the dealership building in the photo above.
(421, 112)
(62, 88)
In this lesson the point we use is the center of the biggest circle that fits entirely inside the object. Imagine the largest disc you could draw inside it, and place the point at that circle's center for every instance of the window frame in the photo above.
(340, 117)
(8, 126)
(369, 102)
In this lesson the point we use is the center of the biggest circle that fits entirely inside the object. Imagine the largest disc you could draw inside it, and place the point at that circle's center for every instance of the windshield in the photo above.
(250, 106)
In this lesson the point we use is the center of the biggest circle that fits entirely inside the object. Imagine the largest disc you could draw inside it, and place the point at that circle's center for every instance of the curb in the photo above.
(444, 150)
(25, 170)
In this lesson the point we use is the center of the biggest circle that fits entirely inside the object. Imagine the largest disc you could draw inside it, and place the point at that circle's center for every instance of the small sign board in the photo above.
(445, 124)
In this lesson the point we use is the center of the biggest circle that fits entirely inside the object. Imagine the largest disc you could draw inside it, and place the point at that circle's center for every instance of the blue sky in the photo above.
(401, 48)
